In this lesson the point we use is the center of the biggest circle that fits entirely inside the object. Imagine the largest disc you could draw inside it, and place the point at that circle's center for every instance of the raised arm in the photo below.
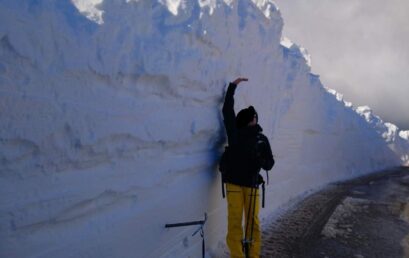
(229, 115)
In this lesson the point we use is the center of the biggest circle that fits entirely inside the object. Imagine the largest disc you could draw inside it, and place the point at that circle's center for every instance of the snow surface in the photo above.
(111, 124)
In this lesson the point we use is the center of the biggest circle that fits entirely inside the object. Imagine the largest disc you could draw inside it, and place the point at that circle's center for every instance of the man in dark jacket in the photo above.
(249, 151)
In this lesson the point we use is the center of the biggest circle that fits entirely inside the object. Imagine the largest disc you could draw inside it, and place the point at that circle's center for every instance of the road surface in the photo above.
(366, 217)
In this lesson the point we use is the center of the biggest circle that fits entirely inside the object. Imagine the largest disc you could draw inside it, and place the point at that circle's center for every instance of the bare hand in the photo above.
(240, 79)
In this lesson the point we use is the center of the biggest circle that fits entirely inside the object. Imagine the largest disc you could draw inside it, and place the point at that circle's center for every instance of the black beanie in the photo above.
(245, 116)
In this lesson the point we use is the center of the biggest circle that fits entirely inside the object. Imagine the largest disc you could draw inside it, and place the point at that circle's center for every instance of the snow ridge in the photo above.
(111, 123)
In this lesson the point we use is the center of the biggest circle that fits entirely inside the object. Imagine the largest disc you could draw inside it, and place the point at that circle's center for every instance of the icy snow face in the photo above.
(404, 134)
(403, 146)
(90, 9)
(390, 133)
(111, 127)
(296, 50)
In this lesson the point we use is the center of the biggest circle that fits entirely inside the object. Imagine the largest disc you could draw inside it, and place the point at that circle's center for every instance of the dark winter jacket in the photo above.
(243, 165)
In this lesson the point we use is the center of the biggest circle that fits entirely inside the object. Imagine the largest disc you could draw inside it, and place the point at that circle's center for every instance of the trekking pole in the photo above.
(246, 241)
(252, 209)
(254, 213)
(250, 223)
(192, 223)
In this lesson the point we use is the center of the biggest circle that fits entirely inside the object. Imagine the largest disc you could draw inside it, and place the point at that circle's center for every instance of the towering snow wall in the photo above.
(111, 124)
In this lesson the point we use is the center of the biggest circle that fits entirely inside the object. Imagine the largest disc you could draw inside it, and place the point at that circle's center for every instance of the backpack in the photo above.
(260, 154)
(225, 160)
(259, 151)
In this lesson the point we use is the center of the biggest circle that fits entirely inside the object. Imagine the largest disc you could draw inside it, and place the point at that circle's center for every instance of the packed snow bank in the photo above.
(397, 140)
(111, 124)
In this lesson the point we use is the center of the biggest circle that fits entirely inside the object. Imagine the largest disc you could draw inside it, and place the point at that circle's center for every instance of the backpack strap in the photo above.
(262, 183)
(267, 176)
(223, 192)
(264, 194)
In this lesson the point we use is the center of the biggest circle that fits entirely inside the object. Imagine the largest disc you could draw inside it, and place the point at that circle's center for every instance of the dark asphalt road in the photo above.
(365, 217)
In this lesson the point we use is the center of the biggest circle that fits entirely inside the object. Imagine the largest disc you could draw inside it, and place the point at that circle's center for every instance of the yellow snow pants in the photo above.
(239, 200)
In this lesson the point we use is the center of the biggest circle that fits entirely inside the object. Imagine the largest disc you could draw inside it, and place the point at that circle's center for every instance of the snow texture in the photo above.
(111, 124)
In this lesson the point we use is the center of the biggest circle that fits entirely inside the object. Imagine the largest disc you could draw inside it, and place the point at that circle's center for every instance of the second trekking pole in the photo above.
(247, 242)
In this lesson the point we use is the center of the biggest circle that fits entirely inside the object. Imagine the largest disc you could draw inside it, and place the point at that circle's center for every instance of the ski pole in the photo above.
(246, 241)
(254, 213)
(252, 209)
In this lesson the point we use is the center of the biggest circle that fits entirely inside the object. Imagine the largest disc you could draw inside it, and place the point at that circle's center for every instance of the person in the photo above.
(242, 176)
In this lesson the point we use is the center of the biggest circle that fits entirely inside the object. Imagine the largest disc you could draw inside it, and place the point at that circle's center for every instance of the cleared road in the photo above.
(365, 217)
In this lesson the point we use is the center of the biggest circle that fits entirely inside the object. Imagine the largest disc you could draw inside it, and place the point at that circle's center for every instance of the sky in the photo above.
(359, 48)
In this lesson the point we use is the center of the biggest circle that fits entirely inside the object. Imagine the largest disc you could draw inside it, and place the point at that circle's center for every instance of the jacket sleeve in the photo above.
(229, 116)
(268, 160)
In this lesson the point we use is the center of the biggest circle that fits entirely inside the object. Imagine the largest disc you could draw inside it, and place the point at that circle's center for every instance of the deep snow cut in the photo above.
(111, 123)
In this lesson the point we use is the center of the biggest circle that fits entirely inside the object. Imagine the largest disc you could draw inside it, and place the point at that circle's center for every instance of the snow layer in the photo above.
(111, 123)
